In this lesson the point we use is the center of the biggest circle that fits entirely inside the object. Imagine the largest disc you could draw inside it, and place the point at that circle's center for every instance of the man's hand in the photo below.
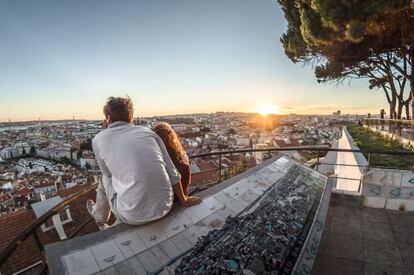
(191, 201)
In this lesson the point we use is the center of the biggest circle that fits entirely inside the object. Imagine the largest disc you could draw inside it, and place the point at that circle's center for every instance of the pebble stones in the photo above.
(259, 241)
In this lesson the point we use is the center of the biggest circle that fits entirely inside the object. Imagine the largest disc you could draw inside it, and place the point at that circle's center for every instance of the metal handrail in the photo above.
(395, 126)
(389, 119)
(31, 229)
(302, 148)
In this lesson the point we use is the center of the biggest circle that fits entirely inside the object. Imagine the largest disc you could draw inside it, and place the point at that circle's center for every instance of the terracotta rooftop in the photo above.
(281, 143)
(5, 197)
(70, 191)
(206, 165)
(27, 253)
(24, 191)
(204, 177)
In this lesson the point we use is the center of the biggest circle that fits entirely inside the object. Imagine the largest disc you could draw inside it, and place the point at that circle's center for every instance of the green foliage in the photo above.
(339, 35)
(352, 39)
(367, 139)
(205, 130)
(233, 171)
(86, 145)
(325, 22)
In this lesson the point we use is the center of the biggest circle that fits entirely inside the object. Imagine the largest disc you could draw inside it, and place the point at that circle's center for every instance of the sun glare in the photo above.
(266, 109)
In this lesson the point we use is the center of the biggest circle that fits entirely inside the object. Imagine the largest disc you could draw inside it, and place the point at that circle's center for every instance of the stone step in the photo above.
(347, 199)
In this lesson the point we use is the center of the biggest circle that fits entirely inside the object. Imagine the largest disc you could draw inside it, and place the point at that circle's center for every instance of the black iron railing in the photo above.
(31, 230)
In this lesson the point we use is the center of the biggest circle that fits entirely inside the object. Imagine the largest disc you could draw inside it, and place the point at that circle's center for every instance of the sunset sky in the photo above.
(64, 58)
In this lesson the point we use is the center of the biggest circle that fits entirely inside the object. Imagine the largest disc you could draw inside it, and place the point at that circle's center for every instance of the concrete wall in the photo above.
(308, 254)
(330, 157)
(389, 189)
(353, 174)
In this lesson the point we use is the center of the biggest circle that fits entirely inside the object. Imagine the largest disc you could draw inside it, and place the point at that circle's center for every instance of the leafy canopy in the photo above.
(349, 29)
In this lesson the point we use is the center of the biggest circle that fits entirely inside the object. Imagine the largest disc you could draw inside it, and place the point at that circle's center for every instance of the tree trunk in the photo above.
(407, 110)
(399, 111)
(392, 109)
(412, 97)
(412, 84)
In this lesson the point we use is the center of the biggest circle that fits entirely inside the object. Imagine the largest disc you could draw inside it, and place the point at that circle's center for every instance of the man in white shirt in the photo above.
(138, 177)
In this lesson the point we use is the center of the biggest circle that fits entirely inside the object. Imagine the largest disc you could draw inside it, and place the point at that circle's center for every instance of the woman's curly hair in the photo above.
(171, 141)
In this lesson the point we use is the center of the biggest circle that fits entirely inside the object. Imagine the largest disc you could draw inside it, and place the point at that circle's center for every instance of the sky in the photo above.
(60, 59)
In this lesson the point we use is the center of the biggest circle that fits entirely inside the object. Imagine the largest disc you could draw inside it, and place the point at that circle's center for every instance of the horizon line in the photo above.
(169, 115)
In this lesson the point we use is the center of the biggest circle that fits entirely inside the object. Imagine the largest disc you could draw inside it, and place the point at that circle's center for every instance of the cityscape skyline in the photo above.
(178, 115)
(170, 58)
(206, 137)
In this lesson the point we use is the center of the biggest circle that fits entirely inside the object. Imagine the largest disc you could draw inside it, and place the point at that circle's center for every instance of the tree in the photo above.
(370, 39)
(380, 74)
(32, 150)
(205, 130)
(86, 145)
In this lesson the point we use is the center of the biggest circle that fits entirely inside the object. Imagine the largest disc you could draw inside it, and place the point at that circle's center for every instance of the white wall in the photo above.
(350, 172)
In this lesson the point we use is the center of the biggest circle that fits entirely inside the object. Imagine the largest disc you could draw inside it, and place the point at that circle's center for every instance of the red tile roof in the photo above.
(27, 253)
(235, 158)
(281, 143)
(24, 191)
(206, 165)
(204, 177)
(44, 184)
(5, 197)
(70, 191)
(251, 162)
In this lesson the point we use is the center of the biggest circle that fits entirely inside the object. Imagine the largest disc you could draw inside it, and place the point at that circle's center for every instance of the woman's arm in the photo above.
(184, 199)
(185, 171)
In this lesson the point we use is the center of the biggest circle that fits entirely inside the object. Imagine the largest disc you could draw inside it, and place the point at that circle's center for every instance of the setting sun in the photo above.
(266, 109)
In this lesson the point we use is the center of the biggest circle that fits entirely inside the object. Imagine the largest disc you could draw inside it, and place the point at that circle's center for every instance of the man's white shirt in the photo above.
(137, 163)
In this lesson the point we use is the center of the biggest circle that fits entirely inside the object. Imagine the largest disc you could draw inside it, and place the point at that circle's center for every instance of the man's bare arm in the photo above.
(172, 172)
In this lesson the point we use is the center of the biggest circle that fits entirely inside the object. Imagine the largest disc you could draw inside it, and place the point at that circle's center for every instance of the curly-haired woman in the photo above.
(180, 160)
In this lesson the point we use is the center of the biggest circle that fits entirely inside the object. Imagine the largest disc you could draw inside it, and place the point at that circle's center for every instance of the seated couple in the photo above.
(142, 169)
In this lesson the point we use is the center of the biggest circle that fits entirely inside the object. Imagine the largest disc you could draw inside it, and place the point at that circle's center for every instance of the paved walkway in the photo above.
(360, 240)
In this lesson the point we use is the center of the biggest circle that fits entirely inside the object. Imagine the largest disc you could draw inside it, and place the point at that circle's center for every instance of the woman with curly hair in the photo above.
(180, 160)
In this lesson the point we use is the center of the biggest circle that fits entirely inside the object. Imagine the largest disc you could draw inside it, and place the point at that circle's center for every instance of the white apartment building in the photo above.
(17, 150)
(242, 140)
(260, 156)
(29, 166)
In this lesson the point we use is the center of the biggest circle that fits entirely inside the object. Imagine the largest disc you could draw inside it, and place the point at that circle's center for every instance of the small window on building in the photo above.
(63, 216)
(48, 223)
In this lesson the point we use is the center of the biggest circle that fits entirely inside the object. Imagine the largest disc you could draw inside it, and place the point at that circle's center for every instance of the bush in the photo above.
(368, 140)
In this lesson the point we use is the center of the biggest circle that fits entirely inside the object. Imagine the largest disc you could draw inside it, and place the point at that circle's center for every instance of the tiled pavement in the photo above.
(367, 241)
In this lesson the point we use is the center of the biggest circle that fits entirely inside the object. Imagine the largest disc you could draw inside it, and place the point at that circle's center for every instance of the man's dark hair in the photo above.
(119, 109)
